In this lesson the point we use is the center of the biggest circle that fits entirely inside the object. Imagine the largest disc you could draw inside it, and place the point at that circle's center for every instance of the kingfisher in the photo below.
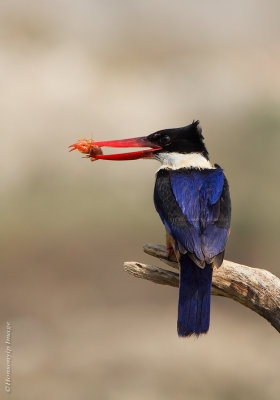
(192, 198)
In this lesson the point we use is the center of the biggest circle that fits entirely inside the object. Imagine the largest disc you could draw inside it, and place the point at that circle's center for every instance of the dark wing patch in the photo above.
(172, 216)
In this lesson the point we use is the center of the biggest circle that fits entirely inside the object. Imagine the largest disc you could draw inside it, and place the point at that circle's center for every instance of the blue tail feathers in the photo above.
(194, 298)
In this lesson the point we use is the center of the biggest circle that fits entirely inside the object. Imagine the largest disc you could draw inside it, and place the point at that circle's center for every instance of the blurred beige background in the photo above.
(82, 328)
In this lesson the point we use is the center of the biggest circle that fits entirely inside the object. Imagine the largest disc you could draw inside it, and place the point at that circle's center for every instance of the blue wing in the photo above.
(194, 206)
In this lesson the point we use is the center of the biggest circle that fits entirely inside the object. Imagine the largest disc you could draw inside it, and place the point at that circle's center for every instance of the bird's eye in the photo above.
(165, 140)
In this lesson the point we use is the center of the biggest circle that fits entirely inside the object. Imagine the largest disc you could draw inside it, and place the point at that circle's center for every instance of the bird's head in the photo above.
(185, 140)
(162, 144)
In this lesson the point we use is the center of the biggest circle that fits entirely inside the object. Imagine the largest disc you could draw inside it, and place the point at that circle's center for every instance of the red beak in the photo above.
(94, 152)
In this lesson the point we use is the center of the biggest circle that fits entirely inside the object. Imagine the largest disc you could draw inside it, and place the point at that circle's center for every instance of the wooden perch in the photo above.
(255, 288)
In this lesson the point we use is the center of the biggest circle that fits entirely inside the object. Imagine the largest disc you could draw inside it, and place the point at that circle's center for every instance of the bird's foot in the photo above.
(171, 253)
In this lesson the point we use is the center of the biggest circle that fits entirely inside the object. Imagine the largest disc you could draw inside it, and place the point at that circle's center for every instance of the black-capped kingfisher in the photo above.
(192, 198)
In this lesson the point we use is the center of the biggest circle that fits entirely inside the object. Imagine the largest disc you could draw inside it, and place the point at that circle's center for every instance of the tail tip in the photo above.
(182, 332)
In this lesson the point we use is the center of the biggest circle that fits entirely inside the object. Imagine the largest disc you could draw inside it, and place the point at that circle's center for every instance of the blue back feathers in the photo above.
(190, 206)
(197, 194)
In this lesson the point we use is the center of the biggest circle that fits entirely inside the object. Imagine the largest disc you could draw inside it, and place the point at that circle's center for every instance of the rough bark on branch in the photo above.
(255, 288)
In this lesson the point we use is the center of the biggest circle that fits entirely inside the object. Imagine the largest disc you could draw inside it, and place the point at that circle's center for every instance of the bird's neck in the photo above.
(180, 160)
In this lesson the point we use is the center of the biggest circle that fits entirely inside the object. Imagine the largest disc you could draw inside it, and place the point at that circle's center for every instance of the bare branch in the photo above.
(255, 288)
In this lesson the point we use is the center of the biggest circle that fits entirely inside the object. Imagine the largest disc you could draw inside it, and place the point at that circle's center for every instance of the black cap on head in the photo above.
(187, 139)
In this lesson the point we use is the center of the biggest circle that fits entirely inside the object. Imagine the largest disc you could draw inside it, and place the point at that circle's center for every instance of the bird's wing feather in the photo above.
(172, 216)
(194, 206)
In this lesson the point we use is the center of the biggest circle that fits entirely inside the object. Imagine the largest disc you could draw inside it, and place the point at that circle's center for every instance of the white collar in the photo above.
(181, 160)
